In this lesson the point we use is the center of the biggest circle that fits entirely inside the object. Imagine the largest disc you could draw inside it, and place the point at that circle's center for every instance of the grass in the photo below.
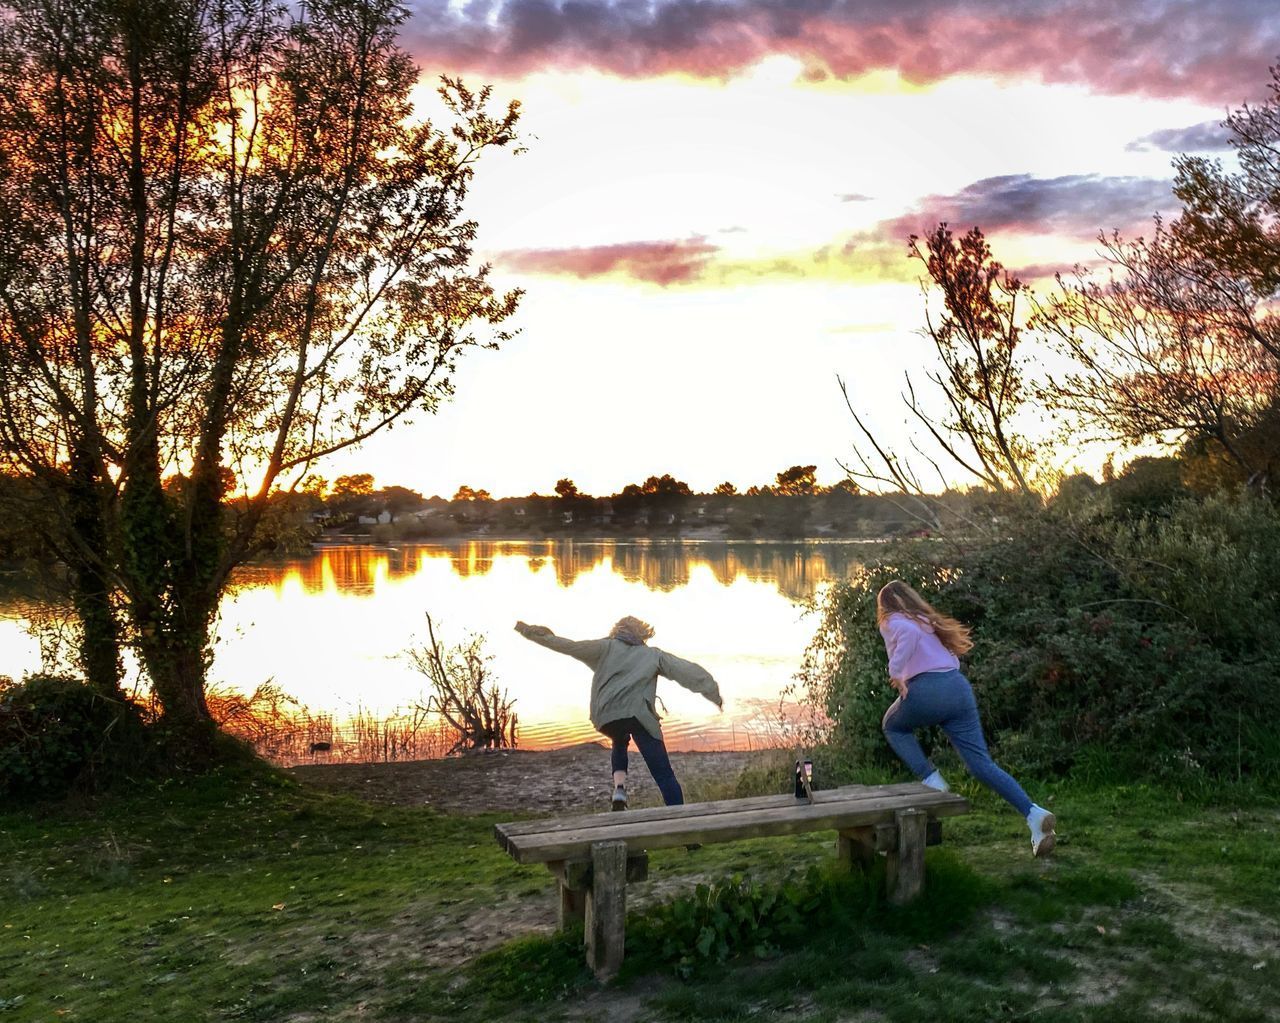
(243, 896)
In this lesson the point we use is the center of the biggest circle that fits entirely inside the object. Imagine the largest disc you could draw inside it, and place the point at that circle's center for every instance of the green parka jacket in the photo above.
(625, 680)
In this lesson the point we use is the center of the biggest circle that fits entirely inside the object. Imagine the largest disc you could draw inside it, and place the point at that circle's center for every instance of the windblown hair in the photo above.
(899, 598)
(631, 630)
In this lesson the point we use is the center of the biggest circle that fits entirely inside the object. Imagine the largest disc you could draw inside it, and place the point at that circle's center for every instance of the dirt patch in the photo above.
(523, 781)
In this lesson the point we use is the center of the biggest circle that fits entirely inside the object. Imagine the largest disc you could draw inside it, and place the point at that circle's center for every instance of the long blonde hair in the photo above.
(899, 598)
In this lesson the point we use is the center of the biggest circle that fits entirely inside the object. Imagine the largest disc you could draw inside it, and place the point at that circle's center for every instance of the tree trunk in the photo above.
(176, 662)
(100, 631)
(91, 586)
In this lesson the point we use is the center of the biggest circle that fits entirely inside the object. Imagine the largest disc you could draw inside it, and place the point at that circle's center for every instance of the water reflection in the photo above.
(330, 628)
(797, 570)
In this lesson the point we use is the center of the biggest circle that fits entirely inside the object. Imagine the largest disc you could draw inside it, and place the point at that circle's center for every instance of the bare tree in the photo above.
(464, 693)
(980, 385)
(227, 250)
(1157, 356)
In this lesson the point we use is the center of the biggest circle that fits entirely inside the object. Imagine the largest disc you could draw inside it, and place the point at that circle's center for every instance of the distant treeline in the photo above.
(794, 506)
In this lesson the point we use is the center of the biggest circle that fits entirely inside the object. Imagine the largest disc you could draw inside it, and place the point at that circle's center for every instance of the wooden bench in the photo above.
(594, 856)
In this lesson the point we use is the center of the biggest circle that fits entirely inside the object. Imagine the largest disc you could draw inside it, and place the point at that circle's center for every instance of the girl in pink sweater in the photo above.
(924, 648)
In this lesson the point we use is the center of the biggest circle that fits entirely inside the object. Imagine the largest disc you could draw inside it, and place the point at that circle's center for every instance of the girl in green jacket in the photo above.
(623, 690)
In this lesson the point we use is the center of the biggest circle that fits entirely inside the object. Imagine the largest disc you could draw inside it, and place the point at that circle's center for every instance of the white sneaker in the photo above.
(1042, 824)
(936, 781)
(619, 798)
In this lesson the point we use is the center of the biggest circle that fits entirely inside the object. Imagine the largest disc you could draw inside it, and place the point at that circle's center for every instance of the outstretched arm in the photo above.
(588, 651)
(692, 676)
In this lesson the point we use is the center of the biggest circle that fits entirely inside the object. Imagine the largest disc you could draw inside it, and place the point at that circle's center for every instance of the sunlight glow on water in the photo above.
(328, 629)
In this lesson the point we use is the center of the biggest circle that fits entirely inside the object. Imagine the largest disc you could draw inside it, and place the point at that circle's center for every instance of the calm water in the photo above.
(329, 628)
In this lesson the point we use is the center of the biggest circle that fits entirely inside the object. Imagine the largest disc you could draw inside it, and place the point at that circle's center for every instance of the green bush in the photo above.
(737, 915)
(57, 732)
(1152, 639)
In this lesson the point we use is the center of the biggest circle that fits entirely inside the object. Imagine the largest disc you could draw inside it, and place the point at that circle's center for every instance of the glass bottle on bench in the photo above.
(805, 766)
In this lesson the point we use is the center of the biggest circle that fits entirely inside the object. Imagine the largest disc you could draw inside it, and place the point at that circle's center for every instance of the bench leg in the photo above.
(855, 847)
(905, 873)
(607, 908)
(573, 907)
(571, 902)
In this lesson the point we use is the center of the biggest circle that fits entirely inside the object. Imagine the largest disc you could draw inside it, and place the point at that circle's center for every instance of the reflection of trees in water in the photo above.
(795, 569)
(352, 569)
(473, 559)
(346, 569)
(662, 567)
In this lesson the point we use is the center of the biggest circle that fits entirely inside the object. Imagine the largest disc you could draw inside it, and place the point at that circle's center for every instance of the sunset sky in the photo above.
(711, 218)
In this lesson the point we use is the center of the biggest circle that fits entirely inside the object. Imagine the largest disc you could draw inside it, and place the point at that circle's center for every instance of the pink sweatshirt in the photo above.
(913, 648)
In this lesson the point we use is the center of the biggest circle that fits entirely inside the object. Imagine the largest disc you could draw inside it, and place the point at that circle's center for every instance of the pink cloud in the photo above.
(1205, 49)
(656, 262)
(1073, 207)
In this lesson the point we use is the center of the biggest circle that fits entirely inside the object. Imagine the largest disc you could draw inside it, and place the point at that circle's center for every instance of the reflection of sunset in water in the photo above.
(327, 628)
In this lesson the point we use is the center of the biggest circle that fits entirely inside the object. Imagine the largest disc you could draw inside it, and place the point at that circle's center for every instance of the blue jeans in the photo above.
(652, 749)
(945, 698)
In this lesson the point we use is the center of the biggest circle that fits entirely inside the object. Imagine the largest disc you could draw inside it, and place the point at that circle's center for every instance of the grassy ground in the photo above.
(244, 896)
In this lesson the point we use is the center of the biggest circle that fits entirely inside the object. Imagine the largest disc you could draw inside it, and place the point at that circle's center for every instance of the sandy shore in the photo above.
(528, 781)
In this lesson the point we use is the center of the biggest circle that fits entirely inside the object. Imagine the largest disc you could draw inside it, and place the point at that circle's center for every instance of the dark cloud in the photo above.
(657, 262)
(1208, 49)
(1205, 137)
(1072, 206)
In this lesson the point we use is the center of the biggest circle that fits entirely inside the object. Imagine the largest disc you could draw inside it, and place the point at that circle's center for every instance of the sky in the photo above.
(710, 221)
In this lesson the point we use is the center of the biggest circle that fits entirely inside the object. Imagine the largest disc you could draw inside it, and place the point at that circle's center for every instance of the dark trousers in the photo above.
(654, 751)
(945, 698)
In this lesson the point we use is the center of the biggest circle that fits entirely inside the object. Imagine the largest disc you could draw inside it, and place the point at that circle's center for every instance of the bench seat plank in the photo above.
(655, 813)
(728, 822)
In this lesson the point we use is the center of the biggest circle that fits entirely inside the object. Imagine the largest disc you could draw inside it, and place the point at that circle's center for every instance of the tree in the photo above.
(656, 496)
(464, 692)
(799, 479)
(359, 484)
(977, 340)
(225, 244)
(1180, 342)
(567, 490)
(665, 485)
(725, 489)
(1157, 359)
(398, 499)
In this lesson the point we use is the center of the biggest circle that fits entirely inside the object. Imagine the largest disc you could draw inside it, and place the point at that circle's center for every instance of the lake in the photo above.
(329, 628)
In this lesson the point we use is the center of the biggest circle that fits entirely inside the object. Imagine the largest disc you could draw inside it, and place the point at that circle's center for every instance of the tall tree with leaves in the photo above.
(798, 480)
(1179, 341)
(227, 250)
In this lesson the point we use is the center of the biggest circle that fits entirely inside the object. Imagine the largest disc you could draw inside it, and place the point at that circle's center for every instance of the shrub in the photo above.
(56, 732)
(1153, 639)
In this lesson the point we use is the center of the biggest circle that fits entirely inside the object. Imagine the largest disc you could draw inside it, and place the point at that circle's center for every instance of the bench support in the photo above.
(606, 916)
(905, 864)
(573, 881)
(855, 847)
(572, 908)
